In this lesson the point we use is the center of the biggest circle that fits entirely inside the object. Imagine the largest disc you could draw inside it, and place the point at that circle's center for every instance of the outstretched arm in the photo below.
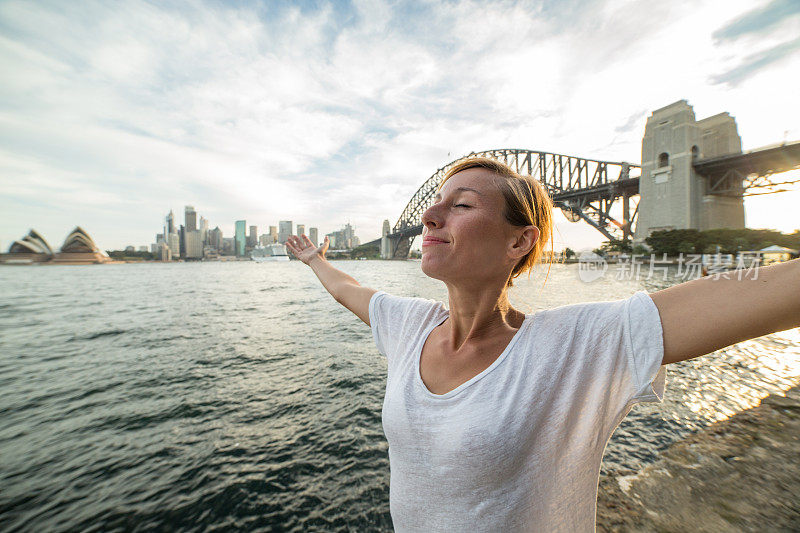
(709, 313)
(342, 287)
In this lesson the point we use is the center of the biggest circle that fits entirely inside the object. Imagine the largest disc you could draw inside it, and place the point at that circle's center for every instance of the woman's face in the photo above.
(466, 235)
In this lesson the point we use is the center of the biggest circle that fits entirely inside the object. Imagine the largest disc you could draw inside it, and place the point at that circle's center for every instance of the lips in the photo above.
(428, 241)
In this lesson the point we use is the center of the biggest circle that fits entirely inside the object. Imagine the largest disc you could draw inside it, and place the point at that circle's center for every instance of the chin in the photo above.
(431, 269)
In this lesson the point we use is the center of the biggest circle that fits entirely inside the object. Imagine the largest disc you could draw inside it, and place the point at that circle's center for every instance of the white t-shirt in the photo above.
(517, 447)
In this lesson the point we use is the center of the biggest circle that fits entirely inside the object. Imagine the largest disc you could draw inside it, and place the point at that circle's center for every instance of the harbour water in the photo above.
(211, 396)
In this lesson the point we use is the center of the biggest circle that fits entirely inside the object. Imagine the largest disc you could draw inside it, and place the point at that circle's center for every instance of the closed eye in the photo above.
(462, 205)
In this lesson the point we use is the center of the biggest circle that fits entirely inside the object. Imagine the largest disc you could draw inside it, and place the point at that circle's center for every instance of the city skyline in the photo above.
(340, 112)
(192, 241)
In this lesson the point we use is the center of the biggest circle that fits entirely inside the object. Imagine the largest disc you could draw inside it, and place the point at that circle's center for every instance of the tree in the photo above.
(569, 253)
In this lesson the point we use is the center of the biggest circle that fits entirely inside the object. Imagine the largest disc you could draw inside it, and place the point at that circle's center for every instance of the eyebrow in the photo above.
(461, 189)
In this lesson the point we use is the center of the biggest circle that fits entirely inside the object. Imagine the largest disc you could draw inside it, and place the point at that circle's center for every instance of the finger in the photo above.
(307, 240)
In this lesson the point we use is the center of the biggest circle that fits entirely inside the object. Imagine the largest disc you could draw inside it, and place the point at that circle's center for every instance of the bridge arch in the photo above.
(584, 189)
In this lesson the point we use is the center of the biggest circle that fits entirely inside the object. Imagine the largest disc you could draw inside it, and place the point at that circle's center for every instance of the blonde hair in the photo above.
(526, 204)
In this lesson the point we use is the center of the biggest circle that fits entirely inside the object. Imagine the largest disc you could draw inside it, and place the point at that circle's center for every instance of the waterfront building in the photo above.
(313, 236)
(284, 230)
(333, 240)
(173, 242)
(214, 238)
(252, 240)
(164, 253)
(142, 248)
(776, 254)
(130, 249)
(79, 249)
(263, 240)
(210, 253)
(190, 218)
(182, 236)
(240, 237)
(301, 228)
(273, 232)
(32, 248)
(155, 248)
(228, 246)
(344, 238)
(194, 245)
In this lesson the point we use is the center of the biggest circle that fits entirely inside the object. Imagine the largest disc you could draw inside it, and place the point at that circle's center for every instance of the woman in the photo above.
(497, 420)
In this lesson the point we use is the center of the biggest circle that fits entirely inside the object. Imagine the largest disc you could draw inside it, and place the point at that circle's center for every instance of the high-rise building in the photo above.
(194, 245)
(301, 228)
(215, 239)
(284, 230)
(252, 239)
(174, 244)
(170, 223)
(191, 218)
(204, 229)
(264, 239)
(228, 246)
(313, 235)
(182, 236)
(344, 238)
(164, 252)
(273, 232)
(332, 240)
(240, 237)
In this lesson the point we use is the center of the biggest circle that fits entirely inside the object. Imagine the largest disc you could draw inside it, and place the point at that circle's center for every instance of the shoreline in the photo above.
(739, 474)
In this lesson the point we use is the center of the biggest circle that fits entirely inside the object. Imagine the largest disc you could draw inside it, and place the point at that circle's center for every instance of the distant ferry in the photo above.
(270, 252)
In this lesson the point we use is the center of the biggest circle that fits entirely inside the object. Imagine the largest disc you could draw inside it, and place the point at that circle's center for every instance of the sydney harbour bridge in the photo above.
(693, 174)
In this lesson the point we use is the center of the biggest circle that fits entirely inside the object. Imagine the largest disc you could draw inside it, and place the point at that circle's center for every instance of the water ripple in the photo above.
(241, 396)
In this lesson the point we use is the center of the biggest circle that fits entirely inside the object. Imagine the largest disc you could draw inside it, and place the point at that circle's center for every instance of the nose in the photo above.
(431, 218)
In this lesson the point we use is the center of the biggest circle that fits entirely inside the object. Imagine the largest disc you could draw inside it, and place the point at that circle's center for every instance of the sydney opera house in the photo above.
(78, 249)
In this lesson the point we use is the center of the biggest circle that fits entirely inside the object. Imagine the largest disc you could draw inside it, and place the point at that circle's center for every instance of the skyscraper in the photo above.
(301, 228)
(170, 223)
(252, 239)
(191, 218)
(203, 229)
(240, 237)
(313, 235)
(194, 245)
(174, 243)
(215, 238)
(273, 232)
(284, 230)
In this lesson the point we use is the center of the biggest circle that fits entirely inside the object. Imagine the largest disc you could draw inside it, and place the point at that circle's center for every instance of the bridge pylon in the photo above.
(673, 194)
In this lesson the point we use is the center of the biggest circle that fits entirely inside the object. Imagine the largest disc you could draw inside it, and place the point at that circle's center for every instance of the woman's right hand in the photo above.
(304, 249)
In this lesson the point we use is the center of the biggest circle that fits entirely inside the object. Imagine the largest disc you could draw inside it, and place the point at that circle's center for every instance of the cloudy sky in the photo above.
(113, 113)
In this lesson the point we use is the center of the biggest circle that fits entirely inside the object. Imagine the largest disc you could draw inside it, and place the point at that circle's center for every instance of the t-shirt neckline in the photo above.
(528, 319)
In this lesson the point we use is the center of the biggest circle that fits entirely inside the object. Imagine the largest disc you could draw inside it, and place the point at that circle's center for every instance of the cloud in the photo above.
(758, 21)
(756, 62)
(321, 112)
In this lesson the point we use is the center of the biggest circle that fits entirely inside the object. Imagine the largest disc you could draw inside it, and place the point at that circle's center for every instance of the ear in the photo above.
(524, 242)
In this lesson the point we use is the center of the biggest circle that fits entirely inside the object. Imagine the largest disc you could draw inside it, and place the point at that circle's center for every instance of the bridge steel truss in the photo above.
(582, 188)
(750, 173)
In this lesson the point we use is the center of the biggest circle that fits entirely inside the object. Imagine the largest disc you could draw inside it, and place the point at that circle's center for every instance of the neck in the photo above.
(480, 312)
